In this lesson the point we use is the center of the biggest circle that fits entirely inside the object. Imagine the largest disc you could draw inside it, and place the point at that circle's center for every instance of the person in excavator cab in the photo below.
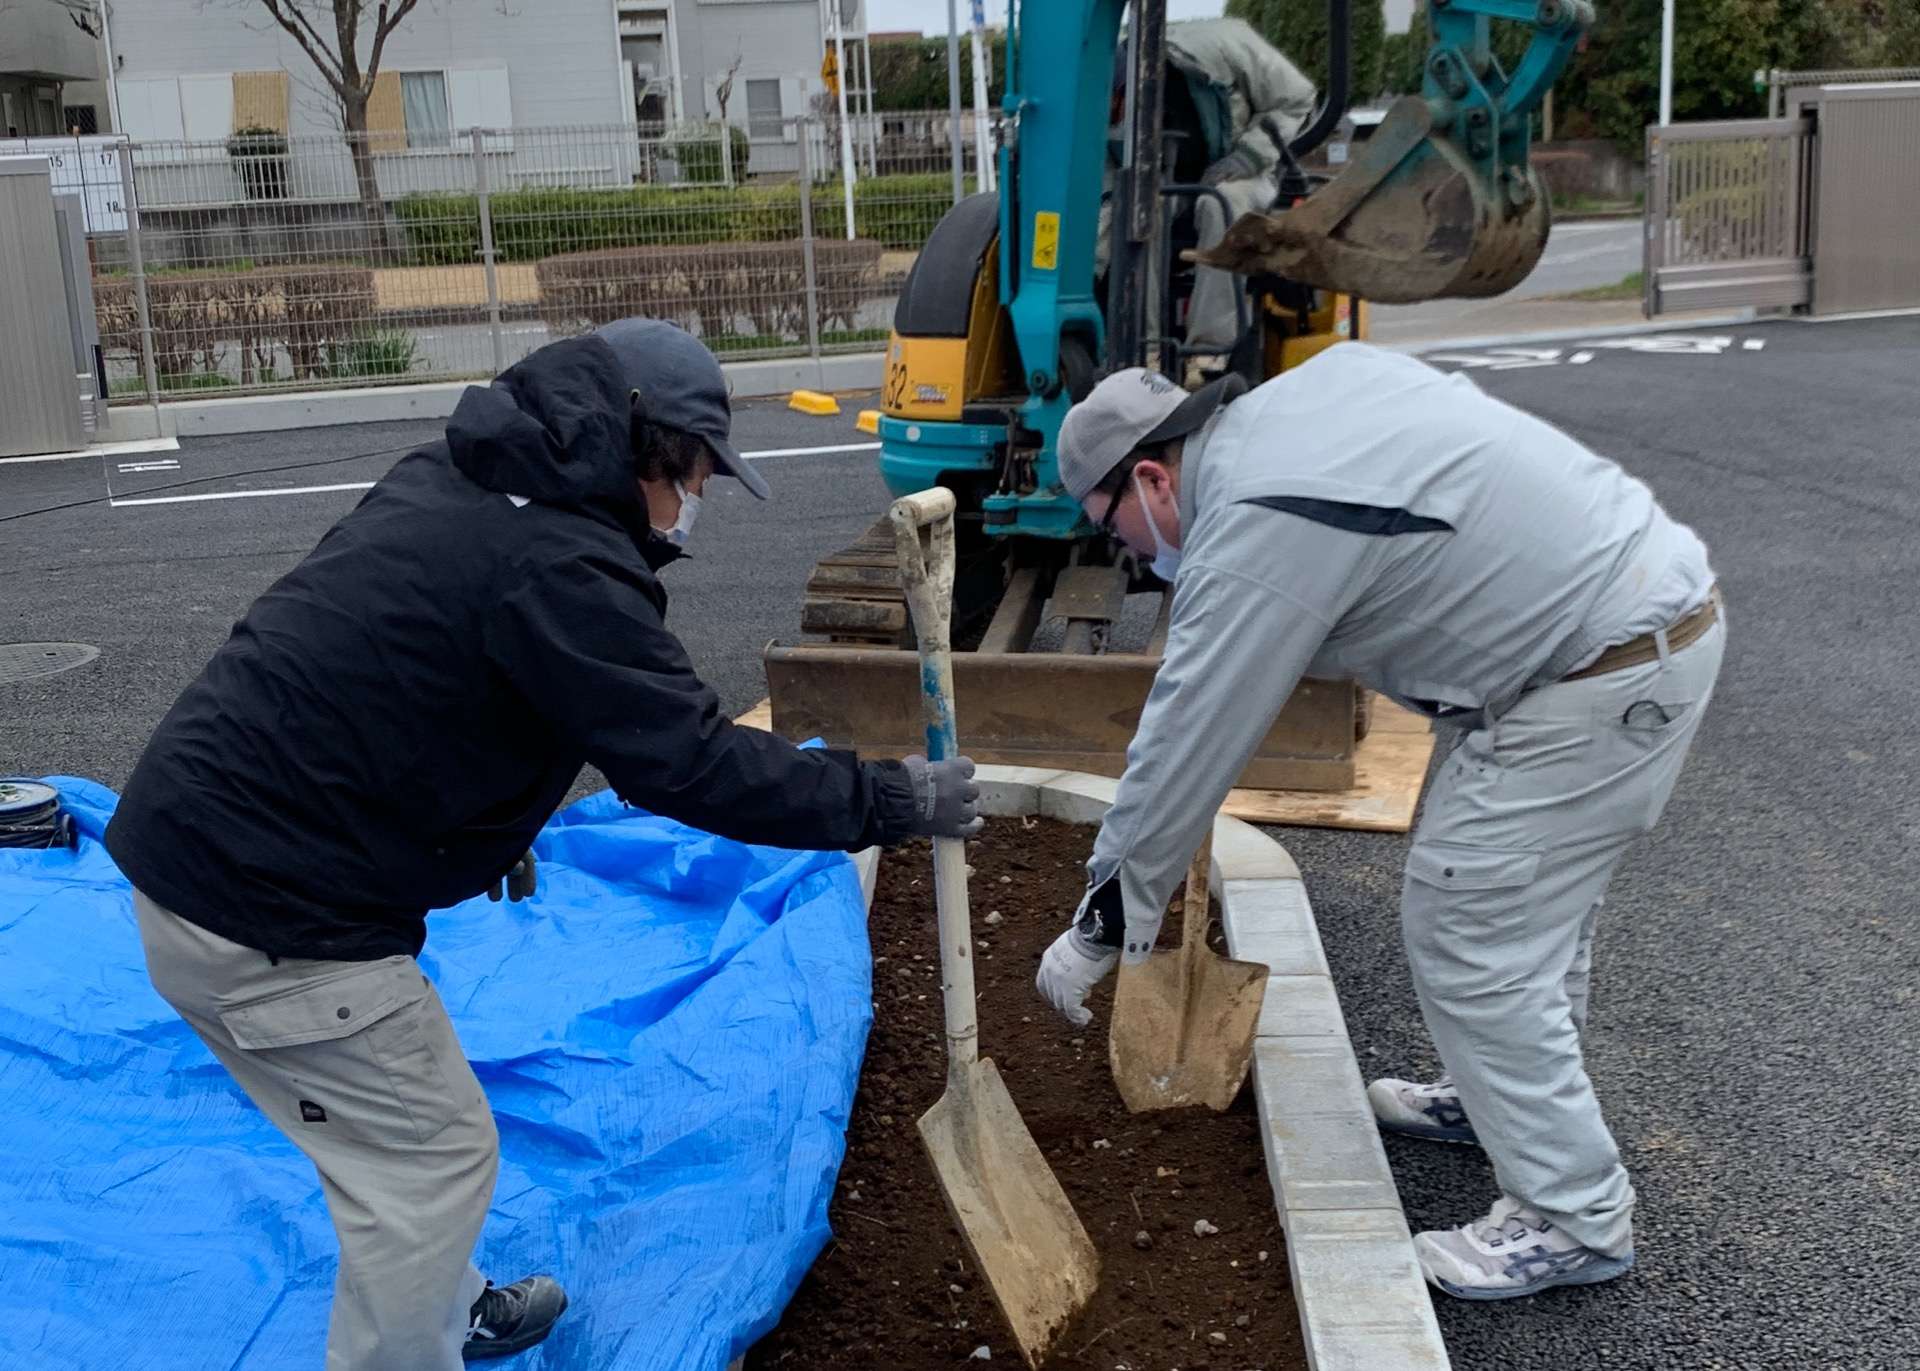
(1230, 103)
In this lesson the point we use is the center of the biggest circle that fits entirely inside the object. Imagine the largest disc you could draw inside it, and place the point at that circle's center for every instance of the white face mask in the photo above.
(1166, 560)
(683, 522)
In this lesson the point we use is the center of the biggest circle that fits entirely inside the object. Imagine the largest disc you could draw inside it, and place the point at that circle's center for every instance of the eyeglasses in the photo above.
(1125, 469)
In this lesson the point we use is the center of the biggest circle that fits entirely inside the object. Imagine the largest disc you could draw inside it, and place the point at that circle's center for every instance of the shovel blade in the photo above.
(1181, 1039)
(1016, 1220)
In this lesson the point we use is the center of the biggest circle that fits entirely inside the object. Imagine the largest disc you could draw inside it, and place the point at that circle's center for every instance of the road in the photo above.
(1578, 256)
(1755, 1006)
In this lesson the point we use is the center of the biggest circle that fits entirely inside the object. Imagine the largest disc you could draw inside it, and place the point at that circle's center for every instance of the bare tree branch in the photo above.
(385, 26)
(288, 15)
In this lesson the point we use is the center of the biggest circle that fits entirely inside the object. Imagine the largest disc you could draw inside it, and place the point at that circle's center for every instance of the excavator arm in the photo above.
(1441, 200)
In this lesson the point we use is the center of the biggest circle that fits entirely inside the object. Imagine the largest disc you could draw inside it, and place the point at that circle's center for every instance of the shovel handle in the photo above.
(1193, 922)
(923, 535)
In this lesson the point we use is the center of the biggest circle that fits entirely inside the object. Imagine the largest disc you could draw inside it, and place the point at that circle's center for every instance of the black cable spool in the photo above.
(30, 815)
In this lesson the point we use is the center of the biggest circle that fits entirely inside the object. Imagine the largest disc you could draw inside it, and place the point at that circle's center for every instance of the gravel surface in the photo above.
(1755, 998)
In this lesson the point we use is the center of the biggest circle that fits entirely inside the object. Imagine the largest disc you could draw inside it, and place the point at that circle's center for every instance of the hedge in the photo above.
(311, 312)
(443, 228)
(720, 285)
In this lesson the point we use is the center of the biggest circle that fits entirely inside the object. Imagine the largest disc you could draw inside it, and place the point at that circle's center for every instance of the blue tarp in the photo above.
(669, 1032)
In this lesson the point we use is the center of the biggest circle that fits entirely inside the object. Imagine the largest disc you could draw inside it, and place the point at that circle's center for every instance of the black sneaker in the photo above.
(512, 1318)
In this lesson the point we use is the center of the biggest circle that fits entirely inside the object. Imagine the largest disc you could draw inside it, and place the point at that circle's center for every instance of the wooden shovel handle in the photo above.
(1193, 924)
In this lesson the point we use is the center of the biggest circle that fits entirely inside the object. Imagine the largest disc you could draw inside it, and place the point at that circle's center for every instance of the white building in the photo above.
(45, 59)
(191, 71)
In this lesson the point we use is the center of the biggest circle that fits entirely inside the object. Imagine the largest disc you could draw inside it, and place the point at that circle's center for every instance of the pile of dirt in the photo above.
(1193, 1266)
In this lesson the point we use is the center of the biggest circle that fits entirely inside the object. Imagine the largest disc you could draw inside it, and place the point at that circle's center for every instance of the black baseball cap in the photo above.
(678, 384)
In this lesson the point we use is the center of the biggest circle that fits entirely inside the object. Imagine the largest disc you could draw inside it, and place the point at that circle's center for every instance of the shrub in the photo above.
(304, 310)
(531, 225)
(698, 153)
(380, 352)
(710, 287)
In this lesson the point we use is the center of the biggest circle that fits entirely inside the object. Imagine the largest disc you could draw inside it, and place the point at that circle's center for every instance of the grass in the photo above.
(835, 336)
(385, 352)
(1628, 287)
(1593, 204)
(186, 380)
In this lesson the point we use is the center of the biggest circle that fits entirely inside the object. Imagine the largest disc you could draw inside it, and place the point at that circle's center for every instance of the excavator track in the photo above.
(853, 596)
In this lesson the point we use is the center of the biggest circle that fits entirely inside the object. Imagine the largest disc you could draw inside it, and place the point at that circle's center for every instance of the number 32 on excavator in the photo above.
(1004, 322)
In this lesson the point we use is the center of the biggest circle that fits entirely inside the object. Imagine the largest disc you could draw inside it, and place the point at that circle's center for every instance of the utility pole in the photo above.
(953, 101)
(1666, 63)
(846, 132)
(982, 134)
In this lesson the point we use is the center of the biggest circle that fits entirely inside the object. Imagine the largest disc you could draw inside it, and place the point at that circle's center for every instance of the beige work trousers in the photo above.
(358, 1064)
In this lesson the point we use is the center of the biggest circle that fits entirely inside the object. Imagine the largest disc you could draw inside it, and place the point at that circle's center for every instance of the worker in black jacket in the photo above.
(385, 732)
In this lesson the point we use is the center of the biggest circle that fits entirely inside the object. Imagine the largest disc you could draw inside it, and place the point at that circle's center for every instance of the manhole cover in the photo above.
(24, 661)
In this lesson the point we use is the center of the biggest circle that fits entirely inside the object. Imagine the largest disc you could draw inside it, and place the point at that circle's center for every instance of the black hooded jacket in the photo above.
(393, 720)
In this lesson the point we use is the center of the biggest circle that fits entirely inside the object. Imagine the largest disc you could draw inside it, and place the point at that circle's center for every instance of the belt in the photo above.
(1646, 648)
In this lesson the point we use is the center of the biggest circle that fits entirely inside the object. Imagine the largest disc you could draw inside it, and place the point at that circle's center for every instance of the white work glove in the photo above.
(1074, 965)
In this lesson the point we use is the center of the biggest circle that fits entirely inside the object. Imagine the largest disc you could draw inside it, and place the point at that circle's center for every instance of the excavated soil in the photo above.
(895, 1288)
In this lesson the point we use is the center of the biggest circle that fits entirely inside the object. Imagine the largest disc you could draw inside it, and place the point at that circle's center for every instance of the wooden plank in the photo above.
(1389, 769)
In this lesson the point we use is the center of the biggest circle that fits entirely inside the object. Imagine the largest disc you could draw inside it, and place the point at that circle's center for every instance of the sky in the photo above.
(930, 16)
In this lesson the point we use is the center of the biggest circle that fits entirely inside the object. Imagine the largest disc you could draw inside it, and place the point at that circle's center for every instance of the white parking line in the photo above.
(238, 494)
(368, 485)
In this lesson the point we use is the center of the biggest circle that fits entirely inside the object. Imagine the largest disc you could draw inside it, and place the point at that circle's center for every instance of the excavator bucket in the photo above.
(1411, 218)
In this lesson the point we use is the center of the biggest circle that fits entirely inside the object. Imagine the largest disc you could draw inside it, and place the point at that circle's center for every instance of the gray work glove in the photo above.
(521, 881)
(1071, 968)
(946, 802)
(1235, 166)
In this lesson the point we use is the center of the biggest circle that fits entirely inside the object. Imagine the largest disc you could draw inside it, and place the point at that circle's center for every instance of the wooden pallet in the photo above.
(1389, 769)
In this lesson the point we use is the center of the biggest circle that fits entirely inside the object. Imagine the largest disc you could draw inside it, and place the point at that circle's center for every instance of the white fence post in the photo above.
(485, 207)
(137, 260)
(806, 239)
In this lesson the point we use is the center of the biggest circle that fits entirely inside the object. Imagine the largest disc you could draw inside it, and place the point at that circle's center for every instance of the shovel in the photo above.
(1183, 1021)
(1015, 1218)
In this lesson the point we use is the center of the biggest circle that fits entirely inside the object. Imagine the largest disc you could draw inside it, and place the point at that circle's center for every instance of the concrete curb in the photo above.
(1363, 1303)
(205, 418)
(1570, 335)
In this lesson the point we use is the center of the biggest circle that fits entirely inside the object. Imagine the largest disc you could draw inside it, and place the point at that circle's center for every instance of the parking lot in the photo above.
(1755, 1008)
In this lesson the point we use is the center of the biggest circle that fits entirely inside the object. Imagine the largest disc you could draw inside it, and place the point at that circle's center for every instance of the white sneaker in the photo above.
(1513, 1251)
(1421, 1111)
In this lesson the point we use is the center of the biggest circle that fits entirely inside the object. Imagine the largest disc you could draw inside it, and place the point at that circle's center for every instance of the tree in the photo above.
(330, 32)
(1299, 29)
(911, 73)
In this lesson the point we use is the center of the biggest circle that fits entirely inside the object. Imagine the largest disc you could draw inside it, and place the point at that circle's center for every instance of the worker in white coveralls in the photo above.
(1365, 516)
(1233, 100)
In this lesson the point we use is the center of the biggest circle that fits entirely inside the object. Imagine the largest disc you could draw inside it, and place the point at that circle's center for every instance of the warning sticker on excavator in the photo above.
(1046, 240)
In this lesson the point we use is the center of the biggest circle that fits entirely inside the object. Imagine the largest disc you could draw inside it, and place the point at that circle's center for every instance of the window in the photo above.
(83, 120)
(413, 110)
(423, 102)
(763, 109)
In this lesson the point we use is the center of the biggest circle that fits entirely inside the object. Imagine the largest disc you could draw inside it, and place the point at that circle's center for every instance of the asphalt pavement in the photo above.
(1754, 1012)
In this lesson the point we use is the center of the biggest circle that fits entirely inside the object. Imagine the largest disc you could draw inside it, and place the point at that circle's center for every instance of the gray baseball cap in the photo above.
(1128, 410)
(678, 384)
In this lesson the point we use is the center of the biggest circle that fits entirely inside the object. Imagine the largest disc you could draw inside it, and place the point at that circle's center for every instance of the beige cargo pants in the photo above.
(358, 1064)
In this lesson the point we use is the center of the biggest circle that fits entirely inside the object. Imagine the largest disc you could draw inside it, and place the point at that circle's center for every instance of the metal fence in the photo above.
(260, 263)
(1780, 82)
(1727, 214)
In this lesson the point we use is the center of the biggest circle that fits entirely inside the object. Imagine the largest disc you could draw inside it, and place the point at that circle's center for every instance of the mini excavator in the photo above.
(1005, 321)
